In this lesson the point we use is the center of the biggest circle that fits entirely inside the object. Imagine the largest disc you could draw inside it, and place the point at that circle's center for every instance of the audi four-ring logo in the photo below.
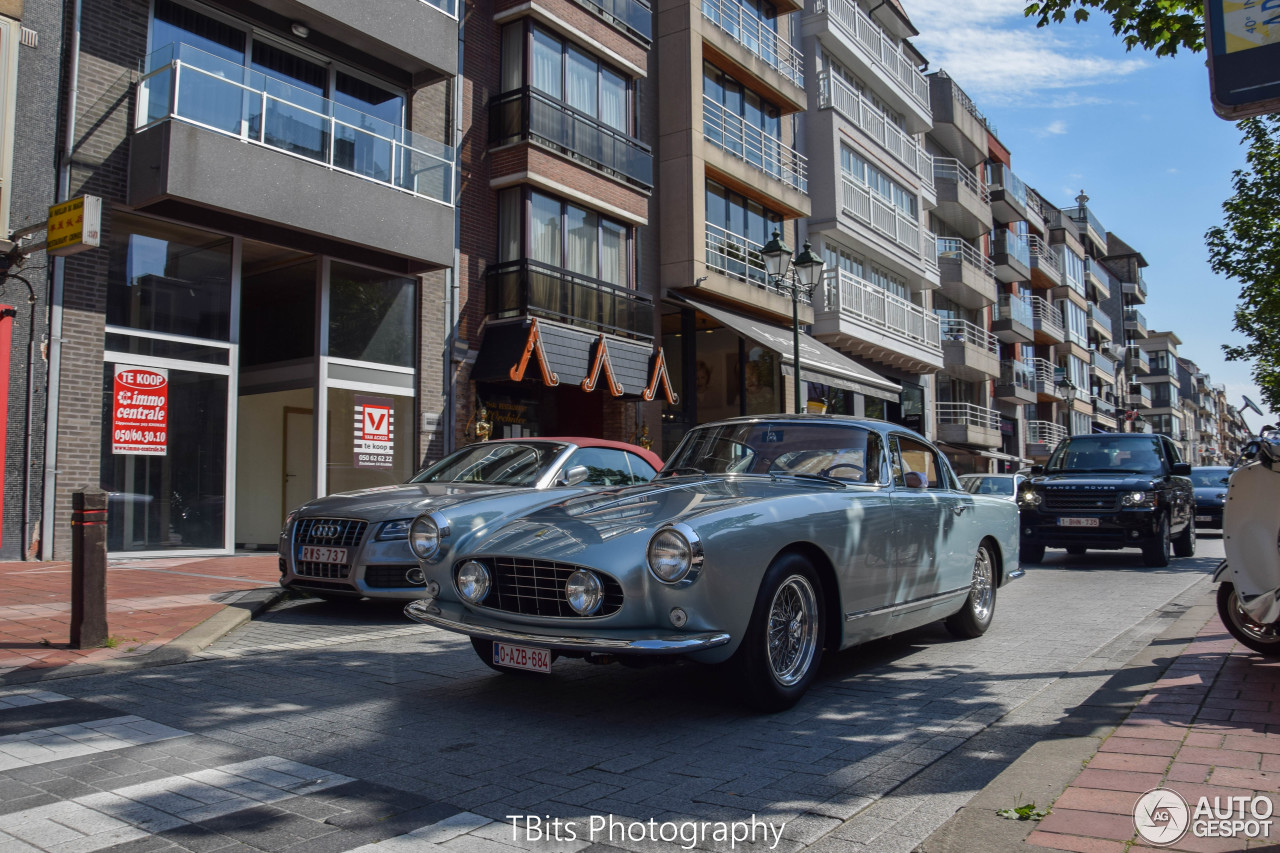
(325, 531)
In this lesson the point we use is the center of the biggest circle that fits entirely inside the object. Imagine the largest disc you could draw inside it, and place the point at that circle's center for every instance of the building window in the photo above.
(1077, 320)
(563, 72)
(854, 166)
(737, 228)
(563, 235)
(372, 315)
(741, 102)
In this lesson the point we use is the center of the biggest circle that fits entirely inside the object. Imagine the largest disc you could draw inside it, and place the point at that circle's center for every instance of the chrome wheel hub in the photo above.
(1259, 631)
(982, 589)
(793, 630)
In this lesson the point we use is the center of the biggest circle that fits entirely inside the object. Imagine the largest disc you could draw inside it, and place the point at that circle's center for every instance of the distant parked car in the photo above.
(763, 542)
(1210, 482)
(999, 485)
(356, 544)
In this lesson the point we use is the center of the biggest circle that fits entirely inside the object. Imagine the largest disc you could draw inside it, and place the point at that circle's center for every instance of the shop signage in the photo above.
(1242, 38)
(375, 425)
(74, 226)
(140, 411)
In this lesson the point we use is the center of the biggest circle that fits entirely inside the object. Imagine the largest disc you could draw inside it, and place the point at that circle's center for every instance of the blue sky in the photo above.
(1136, 133)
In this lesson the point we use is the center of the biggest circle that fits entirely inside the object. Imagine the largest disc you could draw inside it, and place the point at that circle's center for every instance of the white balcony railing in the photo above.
(739, 257)
(1046, 316)
(1046, 432)
(860, 202)
(857, 26)
(746, 29)
(969, 333)
(951, 169)
(952, 247)
(1043, 375)
(862, 301)
(834, 92)
(749, 143)
(1043, 254)
(967, 414)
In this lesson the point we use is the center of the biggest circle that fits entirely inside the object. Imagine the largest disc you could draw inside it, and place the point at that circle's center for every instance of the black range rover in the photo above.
(1110, 490)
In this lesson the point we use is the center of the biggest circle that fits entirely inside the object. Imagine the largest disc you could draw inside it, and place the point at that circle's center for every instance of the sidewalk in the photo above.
(150, 603)
(1209, 726)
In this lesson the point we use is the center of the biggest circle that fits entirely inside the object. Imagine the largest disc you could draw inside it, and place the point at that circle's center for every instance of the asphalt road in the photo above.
(323, 727)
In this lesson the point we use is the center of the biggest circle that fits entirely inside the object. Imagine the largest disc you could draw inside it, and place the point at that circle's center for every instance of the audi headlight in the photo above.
(398, 529)
(424, 536)
(473, 581)
(1136, 499)
(583, 592)
(1030, 497)
(288, 522)
(674, 553)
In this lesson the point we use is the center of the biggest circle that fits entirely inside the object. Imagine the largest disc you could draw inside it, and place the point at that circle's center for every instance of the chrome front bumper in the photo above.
(453, 617)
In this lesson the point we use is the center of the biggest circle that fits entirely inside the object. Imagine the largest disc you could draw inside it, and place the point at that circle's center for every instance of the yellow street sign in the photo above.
(75, 225)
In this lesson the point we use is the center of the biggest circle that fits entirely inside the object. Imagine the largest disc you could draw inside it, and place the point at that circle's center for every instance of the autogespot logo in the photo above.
(1161, 816)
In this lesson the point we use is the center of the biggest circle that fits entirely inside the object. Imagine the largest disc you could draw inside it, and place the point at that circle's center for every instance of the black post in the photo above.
(88, 569)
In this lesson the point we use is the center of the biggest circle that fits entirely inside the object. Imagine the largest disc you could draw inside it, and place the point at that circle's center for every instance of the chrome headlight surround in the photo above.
(675, 555)
(473, 581)
(426, 533)
(584, 592)
(1136, 499)
(397, 528)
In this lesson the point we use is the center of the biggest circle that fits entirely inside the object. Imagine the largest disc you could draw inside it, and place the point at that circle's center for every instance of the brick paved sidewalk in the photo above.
(1209, 727)
(150, 602)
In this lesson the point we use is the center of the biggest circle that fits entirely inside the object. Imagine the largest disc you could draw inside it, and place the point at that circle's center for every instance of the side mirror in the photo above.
(1180, 469)
(573, 476)
(1037, 470)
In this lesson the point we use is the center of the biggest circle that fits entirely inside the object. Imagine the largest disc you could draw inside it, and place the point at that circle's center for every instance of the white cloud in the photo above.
(1056, 127)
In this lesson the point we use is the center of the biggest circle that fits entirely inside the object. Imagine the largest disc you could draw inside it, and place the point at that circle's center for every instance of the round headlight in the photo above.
(473, 581)
(1134, 498)
(584, 592)
(669, 555)
(424, 536)
(1031, 498)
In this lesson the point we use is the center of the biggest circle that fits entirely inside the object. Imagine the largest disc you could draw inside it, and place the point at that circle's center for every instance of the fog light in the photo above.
(473, 581)
(678, 617)
(1134, 534)
(433, 589)
(1026, 531)
(583, 592)
(415, 576)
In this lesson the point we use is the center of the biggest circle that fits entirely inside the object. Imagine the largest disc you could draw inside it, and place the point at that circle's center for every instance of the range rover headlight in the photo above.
(424, 536)
(1030, 497)
(1138, 499)
(473, 581)
(584, 592)
(674, 553)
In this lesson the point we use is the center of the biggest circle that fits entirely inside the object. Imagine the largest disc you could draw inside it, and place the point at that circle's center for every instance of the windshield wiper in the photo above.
(688, 469)
(823, 477)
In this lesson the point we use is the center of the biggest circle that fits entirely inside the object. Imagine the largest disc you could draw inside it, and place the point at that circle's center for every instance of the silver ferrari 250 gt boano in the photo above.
(764, 541)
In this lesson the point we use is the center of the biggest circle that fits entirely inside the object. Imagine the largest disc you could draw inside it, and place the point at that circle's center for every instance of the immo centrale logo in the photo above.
(1161, 816)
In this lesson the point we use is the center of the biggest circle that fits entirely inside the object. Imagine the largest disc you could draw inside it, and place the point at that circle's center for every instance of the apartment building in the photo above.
(1159, 388)
(278, 187)
(1122, 307)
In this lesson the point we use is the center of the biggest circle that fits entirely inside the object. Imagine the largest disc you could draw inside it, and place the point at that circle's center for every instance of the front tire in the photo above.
(1032, 554)
(781, 650)
(973, 619)
(1185, 544)
(1155, 551)
(1263, 639)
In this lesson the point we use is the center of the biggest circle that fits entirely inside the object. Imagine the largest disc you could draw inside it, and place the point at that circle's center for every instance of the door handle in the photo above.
(959, 509)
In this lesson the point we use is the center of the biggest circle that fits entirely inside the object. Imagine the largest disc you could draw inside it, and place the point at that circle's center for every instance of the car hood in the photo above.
(1211, 493)
(1096, 481)
(403, 501)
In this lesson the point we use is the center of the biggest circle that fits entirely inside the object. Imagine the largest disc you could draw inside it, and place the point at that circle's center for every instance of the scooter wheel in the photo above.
(1262, 638)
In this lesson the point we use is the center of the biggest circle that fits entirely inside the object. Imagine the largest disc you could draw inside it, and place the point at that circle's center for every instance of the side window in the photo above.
(910, 456)
(641, 471)
(1171, 450)
(606, 467)
(875, 458)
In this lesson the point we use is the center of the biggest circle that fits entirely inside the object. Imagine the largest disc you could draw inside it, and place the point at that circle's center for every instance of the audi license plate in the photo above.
(322, 554)
(1077, 522)
(522, 657)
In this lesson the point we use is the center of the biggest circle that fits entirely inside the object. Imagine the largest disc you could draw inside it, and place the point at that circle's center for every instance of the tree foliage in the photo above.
(1246, 249)
(1164, 26)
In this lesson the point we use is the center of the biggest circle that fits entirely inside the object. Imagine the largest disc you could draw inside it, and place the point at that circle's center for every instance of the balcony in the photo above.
(968, 278)
(767, 154)
(1011, 254)
(1092, 226)
(1046, 267)
(963, 201)
(1044, 380)
(1139, 396)
(1103, 366)
(1016, 382)
(858, 201)
(739, 258)
(1046, 322)
(1105, 412)
(763, 43)
(1097, 275)
(1135, 323)
(632, 17)
(528, 115)
(868, 321)
(873, 52)
(1136, 291)
(531, 289)
(1012, 320)
(1138, 361)
(969, 351)
(968, 423)
(217, 135)
(957, 123)
(835, 93)
(1044, 436)
(1100, 322)
(1008, 194)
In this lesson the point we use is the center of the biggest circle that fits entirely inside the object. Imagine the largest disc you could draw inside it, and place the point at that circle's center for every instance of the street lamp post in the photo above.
(801, 274)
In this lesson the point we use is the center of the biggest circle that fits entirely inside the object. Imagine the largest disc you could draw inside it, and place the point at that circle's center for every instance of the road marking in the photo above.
(24, 700)
(333, 640)
(42, 746)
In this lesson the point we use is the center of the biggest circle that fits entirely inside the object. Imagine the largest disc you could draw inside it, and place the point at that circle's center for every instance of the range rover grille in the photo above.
(1082, 501)
(536, 588)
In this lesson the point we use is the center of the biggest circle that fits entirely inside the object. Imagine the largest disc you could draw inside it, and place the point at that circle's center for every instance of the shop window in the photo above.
(371, 315)
(277, 315)
(357, 459)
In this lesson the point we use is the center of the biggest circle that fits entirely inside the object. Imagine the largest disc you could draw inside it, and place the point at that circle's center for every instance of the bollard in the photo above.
(88, 569)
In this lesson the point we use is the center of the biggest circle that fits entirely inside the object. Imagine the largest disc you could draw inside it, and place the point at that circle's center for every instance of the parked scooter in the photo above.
(1249, 594)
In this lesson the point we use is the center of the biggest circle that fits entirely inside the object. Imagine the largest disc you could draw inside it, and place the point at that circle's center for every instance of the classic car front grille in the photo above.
(536, 588)
(321, 570)
(1073, 501)
(330, 532)
(386, 577)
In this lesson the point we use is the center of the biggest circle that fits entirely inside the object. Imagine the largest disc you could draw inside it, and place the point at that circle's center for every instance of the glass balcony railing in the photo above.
(1009, 243)
(1017, 374)
(864, 302)
(749, 31)
(1104, 364)
(186, 84)
(834, 92)
(527, 114)
(1134, 317)
(1104, 408)
(1140, 392)
(632, 16)
(1100, 317)
(1015, 308)
(1085, 216)
(869, 39)
(1139, 360)
(1002, 177)
(747, 142)
(528, 288)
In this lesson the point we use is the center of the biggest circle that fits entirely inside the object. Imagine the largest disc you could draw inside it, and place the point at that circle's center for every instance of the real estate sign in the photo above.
(140, 411)
(375, 423)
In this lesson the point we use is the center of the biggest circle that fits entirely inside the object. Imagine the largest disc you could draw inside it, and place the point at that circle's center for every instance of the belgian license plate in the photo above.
(522, 657)
(322, 554)
(1204, 518)
(1077, 522)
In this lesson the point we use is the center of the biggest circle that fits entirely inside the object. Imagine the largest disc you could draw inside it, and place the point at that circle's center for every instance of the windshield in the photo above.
(842, 451)
(506, 463)
(988, 485)
(1201, 477)
(1107, 455)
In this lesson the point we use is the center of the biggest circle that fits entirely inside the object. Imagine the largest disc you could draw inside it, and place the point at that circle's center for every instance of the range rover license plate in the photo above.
(321, 554)
(522, 657)
(1077, 522)
(1204, 518)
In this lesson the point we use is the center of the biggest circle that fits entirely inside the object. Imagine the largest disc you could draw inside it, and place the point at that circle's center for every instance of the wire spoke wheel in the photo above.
(982, 589)
(792, 635)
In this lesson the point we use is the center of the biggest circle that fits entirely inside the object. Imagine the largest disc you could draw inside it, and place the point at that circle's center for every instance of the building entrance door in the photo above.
(299, 456)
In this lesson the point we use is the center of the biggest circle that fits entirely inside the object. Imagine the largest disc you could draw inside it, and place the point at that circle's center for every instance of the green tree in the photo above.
(1164, 26)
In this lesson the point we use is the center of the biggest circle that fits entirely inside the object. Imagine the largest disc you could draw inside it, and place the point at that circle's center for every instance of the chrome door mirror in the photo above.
(573, 476)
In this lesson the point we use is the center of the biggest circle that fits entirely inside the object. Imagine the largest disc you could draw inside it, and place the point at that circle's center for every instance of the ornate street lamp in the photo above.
(799, 275)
